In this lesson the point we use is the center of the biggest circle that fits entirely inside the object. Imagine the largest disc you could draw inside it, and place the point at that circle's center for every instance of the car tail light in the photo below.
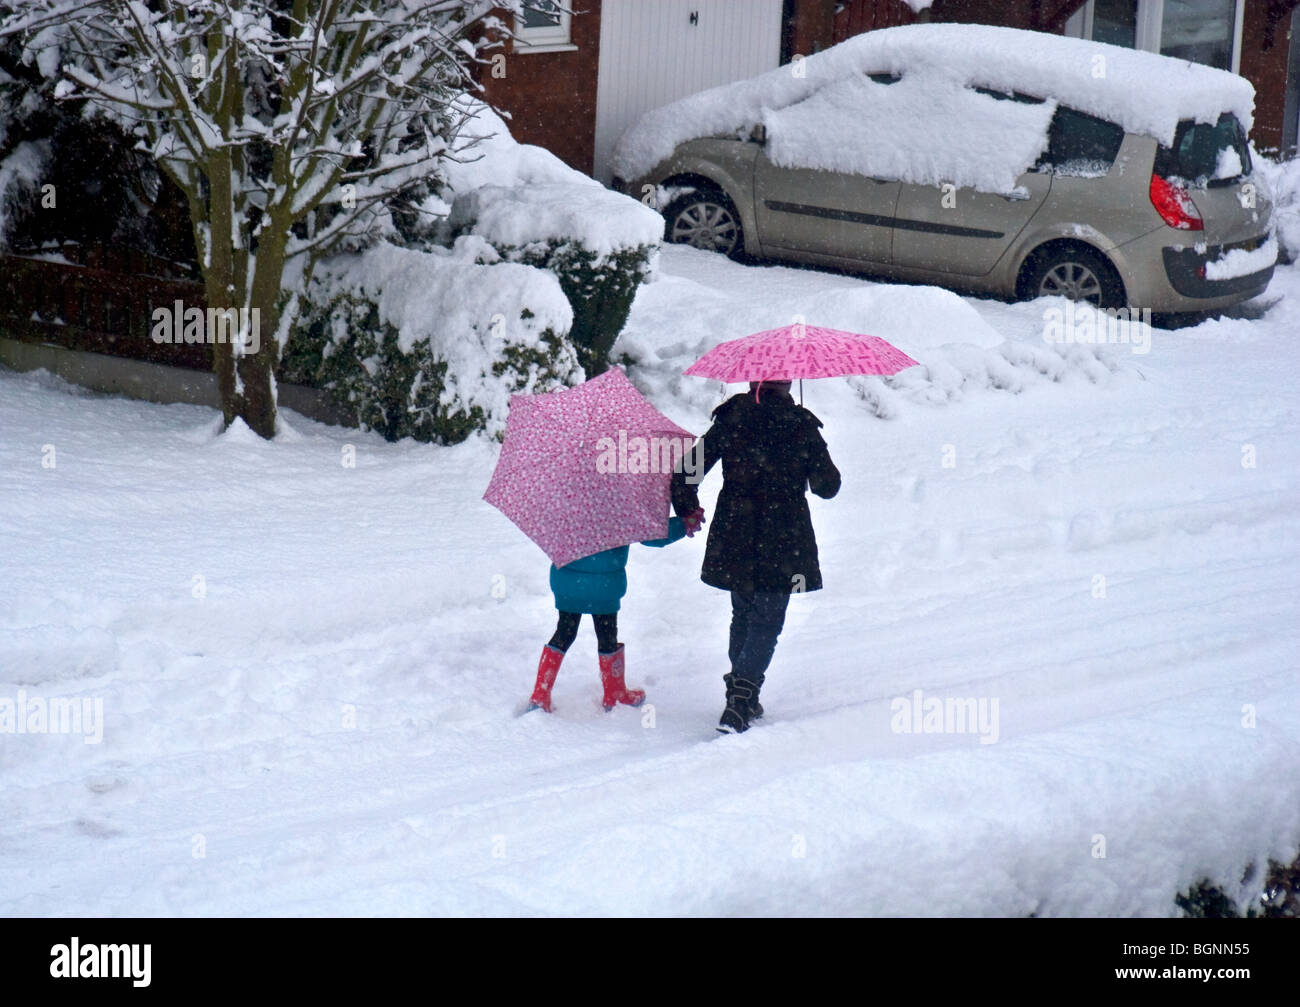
(1174, 205)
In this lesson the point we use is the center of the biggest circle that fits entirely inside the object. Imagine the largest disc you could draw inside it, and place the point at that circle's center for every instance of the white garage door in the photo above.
(655, 51)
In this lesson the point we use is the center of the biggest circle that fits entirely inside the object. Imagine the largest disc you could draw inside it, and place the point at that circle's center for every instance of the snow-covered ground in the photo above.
(310, 673)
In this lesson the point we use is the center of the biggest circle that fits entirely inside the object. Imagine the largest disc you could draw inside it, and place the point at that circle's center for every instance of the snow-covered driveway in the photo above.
(310, 673)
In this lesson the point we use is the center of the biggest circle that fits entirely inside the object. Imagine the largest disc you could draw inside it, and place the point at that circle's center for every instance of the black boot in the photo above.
(736, 717)
(755, 707)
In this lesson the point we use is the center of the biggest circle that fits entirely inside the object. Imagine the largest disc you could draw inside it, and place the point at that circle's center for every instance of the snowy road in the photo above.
(310, 673)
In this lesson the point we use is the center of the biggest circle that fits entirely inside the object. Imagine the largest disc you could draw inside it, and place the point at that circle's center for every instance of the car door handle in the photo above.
(1015, 197)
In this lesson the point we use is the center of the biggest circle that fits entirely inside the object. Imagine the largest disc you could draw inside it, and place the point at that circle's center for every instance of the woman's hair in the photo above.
(759, 387)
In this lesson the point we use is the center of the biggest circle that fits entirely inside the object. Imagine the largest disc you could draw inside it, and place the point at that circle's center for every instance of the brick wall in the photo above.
(857, 16)
(1265, 38)
(551, 96)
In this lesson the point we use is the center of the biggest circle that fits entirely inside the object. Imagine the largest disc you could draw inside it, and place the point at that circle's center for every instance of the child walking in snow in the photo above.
(594, 586)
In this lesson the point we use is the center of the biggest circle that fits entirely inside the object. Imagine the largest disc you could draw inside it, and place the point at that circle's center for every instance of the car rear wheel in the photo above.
(705, 219)
(1076, 273)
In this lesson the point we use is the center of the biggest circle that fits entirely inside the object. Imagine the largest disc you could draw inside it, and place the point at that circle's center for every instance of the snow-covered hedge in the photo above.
(536, 210)
(555, 226)
(804, 105)
(1284, 183)
(1274, 894)
(431, 345)
(539, 275)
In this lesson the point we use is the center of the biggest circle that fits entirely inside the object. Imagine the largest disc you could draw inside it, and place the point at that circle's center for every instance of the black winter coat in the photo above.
(761, 535)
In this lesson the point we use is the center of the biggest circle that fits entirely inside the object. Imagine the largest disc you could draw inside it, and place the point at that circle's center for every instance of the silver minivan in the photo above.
(1106, 216)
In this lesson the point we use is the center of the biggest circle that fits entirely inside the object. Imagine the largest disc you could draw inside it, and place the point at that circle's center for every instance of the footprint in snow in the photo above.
(97, 830)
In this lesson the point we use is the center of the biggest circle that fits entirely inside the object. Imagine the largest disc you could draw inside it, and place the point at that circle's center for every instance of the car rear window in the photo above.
(1080, 144)
(1206, 153)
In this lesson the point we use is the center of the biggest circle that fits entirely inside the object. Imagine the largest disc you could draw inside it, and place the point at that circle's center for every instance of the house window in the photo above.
(1115, 21)
(1199, 30)
(1203, 31)
(543, 26)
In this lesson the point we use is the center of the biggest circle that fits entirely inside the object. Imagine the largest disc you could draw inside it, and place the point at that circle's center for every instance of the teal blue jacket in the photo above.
(595, 584)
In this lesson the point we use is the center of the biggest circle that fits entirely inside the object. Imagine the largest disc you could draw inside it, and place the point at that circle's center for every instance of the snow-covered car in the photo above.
(988, 159)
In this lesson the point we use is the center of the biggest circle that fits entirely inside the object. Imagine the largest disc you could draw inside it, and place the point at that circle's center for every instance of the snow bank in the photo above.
(484, 153)
(468, 310)
(961, 354)
(515, 194)
(1145, 92)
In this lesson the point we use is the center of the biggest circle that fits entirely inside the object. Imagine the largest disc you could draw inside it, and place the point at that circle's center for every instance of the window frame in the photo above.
(556, 38)
(1150, 25)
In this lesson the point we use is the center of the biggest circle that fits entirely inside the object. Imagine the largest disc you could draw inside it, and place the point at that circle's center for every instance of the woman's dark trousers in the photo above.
(756, 621)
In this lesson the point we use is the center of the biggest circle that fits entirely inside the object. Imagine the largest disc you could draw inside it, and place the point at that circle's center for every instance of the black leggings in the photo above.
(566, 631)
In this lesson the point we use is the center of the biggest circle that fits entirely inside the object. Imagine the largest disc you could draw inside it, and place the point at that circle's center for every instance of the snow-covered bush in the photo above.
(24, 147)
(536, 210)
(1284, 182)
(430, 344)
(66, 178)
(1276, 896)
(21, 172)
(549, 227)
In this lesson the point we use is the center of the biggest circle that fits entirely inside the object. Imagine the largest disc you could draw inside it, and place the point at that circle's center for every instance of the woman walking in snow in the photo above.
(761, 546)
(594, 585)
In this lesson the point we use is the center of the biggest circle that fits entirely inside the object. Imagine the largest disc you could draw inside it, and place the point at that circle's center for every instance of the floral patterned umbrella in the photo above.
(586, 469)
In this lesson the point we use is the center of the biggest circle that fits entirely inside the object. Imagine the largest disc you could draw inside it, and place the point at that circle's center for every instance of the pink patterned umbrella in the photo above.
(585, 469)
(799, 351)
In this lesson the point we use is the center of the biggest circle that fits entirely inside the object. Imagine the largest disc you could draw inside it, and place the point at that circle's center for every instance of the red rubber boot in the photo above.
(611, 677)
(547, 668)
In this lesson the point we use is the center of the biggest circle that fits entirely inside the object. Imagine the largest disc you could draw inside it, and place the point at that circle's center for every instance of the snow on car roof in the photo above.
(939, 132)
(1142, 91)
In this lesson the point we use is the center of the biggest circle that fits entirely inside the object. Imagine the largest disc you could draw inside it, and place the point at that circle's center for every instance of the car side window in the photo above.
(1079, 144)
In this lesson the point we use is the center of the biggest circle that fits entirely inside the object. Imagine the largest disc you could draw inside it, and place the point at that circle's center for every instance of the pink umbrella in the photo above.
(799, 351)
(586, 469)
